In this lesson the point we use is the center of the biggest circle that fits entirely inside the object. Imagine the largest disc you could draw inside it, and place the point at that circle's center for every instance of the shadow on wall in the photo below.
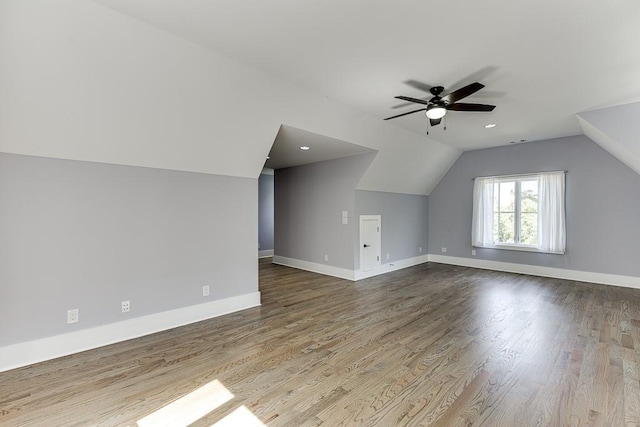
(265, 213)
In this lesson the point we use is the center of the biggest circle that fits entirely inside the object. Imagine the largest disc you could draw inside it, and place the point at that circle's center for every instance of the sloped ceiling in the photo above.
(205, 86)
(81, 81)
(617, 130)
(542, 61)
(286, 151)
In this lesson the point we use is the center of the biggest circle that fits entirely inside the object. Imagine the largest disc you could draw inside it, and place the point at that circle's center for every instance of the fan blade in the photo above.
(417, 101)
(434, 122)
(461, 106)
(476, 76)
(457, 95)
(419, 85)
(403, 104)
(404, 114)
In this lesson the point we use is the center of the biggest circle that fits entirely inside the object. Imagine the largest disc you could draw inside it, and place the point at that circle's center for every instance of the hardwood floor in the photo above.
(429, 345)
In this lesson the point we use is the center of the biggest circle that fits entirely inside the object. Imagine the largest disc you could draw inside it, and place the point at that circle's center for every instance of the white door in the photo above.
(370, 242)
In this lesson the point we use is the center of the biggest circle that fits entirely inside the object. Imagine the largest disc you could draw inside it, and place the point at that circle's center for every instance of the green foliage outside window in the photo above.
(507, 220)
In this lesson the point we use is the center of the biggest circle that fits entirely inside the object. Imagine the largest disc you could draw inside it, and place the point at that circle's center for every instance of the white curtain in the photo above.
(551, 215)
(482, 225)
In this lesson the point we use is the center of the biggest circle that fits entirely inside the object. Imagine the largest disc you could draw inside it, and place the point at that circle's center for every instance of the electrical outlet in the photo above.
(420, 249)
(126, 306)
(326, 257)
(443, 250)
(473, 252)
(73, 316)
(387, 255)
(205, 290)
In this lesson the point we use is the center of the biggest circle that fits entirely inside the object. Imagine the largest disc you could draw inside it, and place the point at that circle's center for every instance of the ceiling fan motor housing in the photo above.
(436, 90)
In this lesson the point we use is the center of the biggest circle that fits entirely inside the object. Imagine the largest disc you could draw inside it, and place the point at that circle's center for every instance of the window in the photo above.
(515, 211)
(522, 212)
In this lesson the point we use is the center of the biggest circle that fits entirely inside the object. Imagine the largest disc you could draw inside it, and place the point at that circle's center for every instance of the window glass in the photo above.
(515, 216)
(507, 228)
(529, 212)
(504, 219)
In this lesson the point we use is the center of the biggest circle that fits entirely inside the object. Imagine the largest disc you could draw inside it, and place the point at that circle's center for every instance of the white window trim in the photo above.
(523, 248)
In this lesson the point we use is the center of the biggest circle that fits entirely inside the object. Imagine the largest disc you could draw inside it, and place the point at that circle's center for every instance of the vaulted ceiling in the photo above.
(206, 86)
(542, 61)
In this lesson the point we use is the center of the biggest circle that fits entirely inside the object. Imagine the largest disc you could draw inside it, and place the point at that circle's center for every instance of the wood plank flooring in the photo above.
(429, 345)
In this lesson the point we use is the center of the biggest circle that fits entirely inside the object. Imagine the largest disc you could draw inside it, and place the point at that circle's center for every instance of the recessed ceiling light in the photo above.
(490, 125)
(304, 147)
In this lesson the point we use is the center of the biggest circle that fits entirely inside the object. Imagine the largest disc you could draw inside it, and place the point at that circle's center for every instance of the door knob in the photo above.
(366, 246)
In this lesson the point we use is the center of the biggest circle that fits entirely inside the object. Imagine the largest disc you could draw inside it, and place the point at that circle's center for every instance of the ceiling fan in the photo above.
(438, 106)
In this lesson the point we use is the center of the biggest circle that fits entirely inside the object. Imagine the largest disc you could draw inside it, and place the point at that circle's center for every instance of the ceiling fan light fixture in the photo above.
(436, 112)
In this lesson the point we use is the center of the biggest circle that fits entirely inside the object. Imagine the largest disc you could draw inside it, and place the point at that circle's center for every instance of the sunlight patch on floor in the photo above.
(189, 408)
(240, 417)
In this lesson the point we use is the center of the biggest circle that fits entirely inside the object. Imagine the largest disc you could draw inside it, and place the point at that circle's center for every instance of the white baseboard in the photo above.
(27, 353)
(345, 273)
(392, 266)
(266, 253)
(536, 270)
(327, 270)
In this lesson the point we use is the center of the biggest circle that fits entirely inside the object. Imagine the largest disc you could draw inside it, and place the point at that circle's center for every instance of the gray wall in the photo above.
(602, 205)
(404, 223)
(88, 235)
(309, 201)
(265, 212)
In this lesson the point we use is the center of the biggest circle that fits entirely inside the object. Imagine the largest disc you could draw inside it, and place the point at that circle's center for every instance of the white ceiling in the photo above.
(542, 61)
(286, 151)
